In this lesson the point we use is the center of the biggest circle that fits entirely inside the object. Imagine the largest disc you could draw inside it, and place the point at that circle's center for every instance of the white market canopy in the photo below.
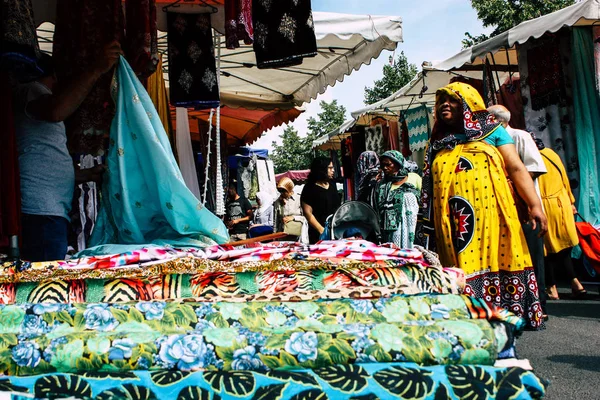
(502, 47)
(344, 42)
(419, 91)
(500, 51)
(333, 139)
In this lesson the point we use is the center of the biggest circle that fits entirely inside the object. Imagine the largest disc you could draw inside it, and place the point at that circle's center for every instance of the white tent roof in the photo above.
(333, 139)
(344, 42)
(583, 13)
(500, 51)
(421, 90)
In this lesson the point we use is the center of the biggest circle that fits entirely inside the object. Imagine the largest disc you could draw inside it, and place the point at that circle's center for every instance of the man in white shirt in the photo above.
(531, 157)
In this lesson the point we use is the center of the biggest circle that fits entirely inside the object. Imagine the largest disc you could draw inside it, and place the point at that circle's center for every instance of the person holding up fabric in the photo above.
(396, 202)
(559, 204)
(468, 197)
(367, 174)
(319, 198)
(262, 219)
(48, 177)
(287, 209)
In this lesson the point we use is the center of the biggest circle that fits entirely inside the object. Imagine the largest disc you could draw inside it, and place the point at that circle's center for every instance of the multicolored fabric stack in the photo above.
(341, 319)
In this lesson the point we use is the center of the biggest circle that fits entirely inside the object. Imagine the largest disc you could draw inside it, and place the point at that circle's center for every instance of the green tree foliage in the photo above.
(396, 74)
(505, 14)
(470, 40)
(332, 115)
(296, 152)
(292, 153)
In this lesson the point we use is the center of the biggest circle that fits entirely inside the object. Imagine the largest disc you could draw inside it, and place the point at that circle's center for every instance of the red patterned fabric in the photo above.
(238, 23)
(589, 240)
(546, 79)
(141, 44)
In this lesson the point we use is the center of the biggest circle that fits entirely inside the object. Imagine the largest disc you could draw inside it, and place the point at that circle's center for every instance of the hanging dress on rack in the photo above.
(192, 67)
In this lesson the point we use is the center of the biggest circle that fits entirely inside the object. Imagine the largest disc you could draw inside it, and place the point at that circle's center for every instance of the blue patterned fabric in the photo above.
(144, 197)
(368, 381)
(417, 122)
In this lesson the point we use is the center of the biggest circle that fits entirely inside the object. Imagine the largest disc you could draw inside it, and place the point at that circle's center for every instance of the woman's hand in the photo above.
(574, 209)
(287, 219)
(538, 219)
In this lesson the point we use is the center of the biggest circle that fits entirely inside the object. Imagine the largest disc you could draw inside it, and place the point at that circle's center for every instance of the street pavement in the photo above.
(567, 352)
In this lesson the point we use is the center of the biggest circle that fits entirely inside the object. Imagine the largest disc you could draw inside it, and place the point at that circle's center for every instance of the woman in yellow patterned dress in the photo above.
(467, 196)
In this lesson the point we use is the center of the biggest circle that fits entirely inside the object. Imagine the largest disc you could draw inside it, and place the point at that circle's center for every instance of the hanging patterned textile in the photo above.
(489, 85)
(192, 68)
(141, 43)
(417, 122)
(374, 140)
(82, 29)
(283, 32)
(586, 106)
(510, 97)
(19, 48)
(84, 210)
(238, 23)
(553, 121)
(346, 154)
(394, 135)
(185, 151)
(144, 195)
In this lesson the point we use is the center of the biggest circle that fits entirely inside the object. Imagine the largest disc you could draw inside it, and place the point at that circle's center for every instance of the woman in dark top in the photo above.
(319, 197)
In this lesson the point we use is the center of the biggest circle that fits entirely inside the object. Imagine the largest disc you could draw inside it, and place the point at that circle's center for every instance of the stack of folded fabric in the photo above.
(336, 320)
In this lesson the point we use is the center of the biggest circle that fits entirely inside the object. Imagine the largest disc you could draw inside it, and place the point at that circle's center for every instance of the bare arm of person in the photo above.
(59, 106)
(312, 221)
(524, 184)
(239, 221)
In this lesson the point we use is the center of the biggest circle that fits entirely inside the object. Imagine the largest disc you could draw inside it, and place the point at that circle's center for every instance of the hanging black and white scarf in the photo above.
(283, 32)
(192, 68)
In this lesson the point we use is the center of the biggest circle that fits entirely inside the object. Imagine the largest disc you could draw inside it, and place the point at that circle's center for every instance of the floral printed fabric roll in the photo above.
(369, 381)
(189, 336)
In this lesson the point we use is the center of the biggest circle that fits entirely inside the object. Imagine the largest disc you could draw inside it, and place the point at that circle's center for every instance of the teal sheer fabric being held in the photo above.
(144, 197)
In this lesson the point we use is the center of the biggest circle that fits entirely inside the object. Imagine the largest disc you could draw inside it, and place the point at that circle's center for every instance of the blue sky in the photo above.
(432, 30)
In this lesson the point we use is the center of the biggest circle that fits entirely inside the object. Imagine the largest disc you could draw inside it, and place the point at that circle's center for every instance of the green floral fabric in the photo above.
(186, 336)
(381, 381)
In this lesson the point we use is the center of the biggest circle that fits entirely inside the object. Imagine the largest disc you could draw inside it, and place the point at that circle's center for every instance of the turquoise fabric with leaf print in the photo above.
(144, 197)
(383, 381)
(261, 336)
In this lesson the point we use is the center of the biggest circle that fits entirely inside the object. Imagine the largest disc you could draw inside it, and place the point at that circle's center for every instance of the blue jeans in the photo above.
(44, 237)
(259, 230)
